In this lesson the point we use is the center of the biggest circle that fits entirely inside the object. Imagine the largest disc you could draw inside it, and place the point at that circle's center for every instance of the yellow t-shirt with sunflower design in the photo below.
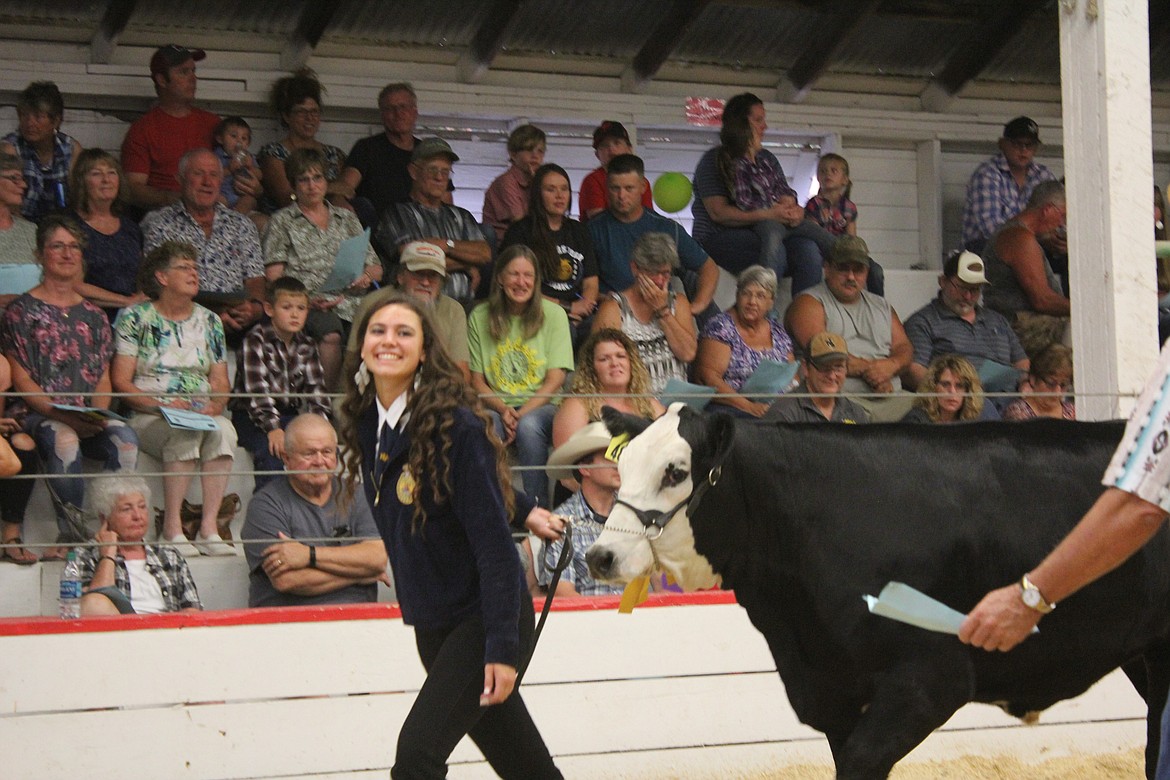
(515, 367)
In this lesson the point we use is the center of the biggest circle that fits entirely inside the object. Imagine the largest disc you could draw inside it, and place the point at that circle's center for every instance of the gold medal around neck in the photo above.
(405, 487)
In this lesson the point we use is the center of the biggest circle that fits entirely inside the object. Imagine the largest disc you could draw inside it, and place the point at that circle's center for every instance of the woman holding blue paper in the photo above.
(302, 240)
(735, 343)
(170, 355)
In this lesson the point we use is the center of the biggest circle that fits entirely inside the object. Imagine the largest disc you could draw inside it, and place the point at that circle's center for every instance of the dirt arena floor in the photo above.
(1128, 765)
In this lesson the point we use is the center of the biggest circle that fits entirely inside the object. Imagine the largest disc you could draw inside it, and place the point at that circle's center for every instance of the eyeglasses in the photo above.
(184, 267)
(310, 178)
(307, 113)
(964, 288)
(327, 454)
(1054, 383)
(62, 247)
(1023, 144)
(436, 172)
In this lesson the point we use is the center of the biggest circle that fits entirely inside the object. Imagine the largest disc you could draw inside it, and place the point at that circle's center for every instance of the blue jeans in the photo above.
(533, 439)
(255, 441)
(61, 450)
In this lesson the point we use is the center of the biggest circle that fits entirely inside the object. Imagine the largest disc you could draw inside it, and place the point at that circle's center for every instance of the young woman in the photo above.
(950, 392)
(421, 444)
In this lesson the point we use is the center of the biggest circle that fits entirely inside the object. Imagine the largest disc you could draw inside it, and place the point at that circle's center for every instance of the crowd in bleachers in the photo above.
(153, 266)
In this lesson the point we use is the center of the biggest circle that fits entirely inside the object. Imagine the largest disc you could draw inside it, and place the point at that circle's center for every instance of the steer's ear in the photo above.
(710, 436)
(618, 423)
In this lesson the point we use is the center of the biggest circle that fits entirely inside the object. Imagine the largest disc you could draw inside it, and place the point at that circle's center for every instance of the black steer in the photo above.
(802, 520)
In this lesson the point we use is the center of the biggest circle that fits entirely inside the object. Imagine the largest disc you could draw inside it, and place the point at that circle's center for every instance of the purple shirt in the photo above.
(760, 183)
(744, 359)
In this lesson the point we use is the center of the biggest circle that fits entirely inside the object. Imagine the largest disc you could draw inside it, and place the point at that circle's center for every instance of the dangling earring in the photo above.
(417, 382)
(362, 378)
(293, 197)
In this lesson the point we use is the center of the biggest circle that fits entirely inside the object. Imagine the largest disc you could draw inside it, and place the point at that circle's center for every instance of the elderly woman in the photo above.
(170, 353)
(520, 351)
(297, 101)
(1049, 377)
(950, 392)
(113, 243)
(736, 341)
(47, 154)
(17, 234)
(60, 345)
(302, 241)
(657, 320)
(123, 575)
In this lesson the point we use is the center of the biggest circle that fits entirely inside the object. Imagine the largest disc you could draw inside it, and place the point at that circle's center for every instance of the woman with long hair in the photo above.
(421, 444)
(562, 246)
(950, 392)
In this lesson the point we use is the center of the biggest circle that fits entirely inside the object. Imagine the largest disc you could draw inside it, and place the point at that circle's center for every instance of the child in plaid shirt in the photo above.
(830, 207)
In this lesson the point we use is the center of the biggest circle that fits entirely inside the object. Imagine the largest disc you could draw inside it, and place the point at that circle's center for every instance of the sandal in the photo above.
(17, 554)
(53, 554)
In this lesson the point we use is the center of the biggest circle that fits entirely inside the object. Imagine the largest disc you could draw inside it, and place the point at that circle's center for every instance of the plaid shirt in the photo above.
(761, 183)
(41, 196)
(833, 217)
(164, 563)
(272, 368)
(993, 197)
(587, 526)
(227, 257)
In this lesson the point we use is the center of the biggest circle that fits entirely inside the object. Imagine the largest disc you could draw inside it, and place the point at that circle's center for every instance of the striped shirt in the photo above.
(936, 330)
(412, 221)
(1138, 465)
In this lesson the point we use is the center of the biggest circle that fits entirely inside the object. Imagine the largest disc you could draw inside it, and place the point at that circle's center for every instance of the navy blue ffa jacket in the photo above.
(462, 561)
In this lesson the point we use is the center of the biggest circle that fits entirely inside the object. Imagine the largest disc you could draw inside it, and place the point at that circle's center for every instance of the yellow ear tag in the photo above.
(616, 445)
(635, 593)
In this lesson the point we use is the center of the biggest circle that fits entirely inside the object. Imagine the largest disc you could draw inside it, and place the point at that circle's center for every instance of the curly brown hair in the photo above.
(963, 370)
(439, 390)
(586, 383)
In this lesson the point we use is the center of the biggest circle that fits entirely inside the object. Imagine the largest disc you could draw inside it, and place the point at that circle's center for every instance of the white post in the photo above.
(1105, 85)
(930, 231)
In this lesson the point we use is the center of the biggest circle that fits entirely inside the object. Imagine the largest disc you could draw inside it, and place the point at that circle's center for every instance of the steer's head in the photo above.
(657, 471)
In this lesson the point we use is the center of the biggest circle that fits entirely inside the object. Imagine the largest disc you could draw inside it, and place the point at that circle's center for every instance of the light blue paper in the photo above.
(19, 278)
(188, 420)
(998, 378)
(349, 264)
(695, 396)
(93, 412)
(898, 601)
(770, 378)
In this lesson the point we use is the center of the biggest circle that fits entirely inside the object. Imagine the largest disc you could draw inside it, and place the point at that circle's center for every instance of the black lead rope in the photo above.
(561, 564)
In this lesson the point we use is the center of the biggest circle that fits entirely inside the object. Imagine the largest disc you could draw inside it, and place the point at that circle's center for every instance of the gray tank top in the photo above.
(1005, 295)
(866, 325)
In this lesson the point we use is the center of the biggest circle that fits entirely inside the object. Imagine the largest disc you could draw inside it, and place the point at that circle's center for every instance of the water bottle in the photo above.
(71, 588)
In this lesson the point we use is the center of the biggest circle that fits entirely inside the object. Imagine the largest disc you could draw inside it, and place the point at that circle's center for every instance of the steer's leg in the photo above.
(909, 702)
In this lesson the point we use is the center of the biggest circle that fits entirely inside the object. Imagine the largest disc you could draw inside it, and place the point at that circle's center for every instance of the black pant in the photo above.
(447, 707)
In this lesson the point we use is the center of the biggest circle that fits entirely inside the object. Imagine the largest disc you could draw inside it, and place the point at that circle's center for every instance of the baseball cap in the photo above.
(423, 256)
(594, 437)
(171, 55)
(849, 249)
(610, 129)
(826, 346)
(432, 147)
(967, 267)
(1022, 127)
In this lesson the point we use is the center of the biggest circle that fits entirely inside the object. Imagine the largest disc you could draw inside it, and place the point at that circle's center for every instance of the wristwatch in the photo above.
(1032, 597)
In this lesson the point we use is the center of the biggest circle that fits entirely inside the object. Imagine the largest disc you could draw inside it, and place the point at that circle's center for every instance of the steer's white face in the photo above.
(655, 471)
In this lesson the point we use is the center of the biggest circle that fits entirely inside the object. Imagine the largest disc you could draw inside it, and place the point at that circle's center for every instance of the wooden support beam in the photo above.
(311, 25)
(659, 45)
(839, 21)
(105, 38)
(488, 40)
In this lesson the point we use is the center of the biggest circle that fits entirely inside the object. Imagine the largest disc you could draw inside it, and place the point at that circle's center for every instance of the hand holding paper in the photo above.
(901, 602)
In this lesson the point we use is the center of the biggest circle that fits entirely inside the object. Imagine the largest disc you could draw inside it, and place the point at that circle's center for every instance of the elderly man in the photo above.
(427, 216)
(840, 304)
(582, 457)
(1023, 286)
(1000, 187)
(422, 267)
(328, 567)
(956, 323)
(156, 142)
(230, 260)
(818, 397)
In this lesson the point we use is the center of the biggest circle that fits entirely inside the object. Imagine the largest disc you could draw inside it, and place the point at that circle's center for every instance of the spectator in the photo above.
(955, 322)
(280, 371)
(949, 392)
(1022, 284)
(626, 220)
(520, 353)
(421, 270)
(735, 342)
(59, 346)
(233, 137)
(230, 261)
(297, 102)
(159, 139)
(113, 242)
(47, 153)
(818, 397)
(171, 354)
(841, 304)
(582, 458)
(377, 169)
(123, 575)
(341, 560)
(831, 207)
(1043, 394)
(426, 216)
(16, 492)
(562, 246)
(507, 197)
(610, 140)
(1001, 186)
(302, 240)
(18, 236)
(655, 318)
(745, 212)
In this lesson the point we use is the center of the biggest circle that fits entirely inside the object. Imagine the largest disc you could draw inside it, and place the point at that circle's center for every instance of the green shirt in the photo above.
(515, 367)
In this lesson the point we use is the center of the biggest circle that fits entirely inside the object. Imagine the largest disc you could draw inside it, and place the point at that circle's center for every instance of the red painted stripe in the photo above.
(256, 617)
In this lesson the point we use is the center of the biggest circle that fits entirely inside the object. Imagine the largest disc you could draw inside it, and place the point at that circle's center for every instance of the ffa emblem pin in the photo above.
(405, 487)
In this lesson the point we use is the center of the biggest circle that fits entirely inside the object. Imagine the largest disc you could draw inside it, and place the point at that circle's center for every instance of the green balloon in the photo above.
(672, 192)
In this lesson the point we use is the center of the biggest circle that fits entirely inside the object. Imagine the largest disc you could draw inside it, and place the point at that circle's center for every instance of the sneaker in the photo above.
(182, 546)
(213, 545)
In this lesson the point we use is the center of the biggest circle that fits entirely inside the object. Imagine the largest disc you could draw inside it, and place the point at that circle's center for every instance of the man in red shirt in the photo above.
(609, 140)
